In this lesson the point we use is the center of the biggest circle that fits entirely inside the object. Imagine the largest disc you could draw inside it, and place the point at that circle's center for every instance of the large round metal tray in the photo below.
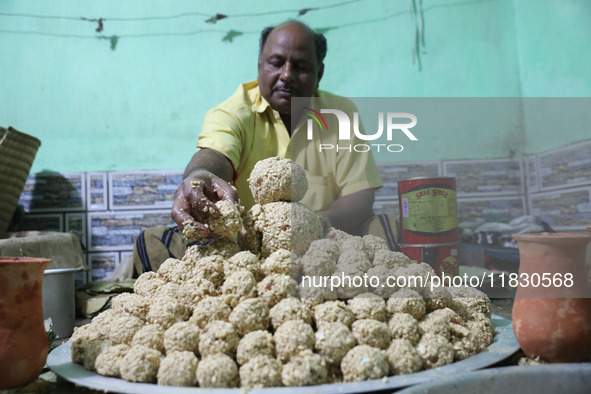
(504, 345)
(539, 379)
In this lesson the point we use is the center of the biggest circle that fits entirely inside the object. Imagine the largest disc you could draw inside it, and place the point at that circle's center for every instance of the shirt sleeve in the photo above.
(221, 131)
(356, 171)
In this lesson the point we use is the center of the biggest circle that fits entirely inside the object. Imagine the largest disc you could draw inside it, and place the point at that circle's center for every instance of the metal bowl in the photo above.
(59, 300)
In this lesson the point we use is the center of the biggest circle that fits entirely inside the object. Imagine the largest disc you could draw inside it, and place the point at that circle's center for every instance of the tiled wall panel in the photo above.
(49, 192)
(96, 186)
(494, 209)
(76, 222)
(567, 209)
(43, 222)
(118, 230)
(565, 167)
(81, 277)
(389, 207)
(486, 177)
(532, 173)
(141, 190)
(102, 264)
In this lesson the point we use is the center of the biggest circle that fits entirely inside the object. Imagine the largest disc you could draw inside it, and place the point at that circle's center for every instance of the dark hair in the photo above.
(319, 42)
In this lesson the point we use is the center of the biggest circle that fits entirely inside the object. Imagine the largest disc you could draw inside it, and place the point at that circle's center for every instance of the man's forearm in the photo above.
(348, 213)
(212, 161)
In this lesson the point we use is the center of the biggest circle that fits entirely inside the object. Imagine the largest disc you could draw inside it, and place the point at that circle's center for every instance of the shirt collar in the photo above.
(260, 104)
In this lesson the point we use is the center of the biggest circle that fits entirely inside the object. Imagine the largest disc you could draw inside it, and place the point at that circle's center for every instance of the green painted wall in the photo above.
(554, 50)
(140, 106)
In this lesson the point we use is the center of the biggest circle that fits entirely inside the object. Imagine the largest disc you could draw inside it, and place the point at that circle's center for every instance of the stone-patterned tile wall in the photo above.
(109, 209)
(76, 222)
(507, 207)
(96, 197)
(532, 173)
(569, 166)
(43, 222)
(567, 209)
(486, 177)
(119, 230)
(390, 207)
(490, 189)
(563, 196)
(48, 192)
(102, 264)
(143, 190)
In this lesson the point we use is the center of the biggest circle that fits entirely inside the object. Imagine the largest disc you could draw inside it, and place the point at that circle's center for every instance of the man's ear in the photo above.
(320, 74)
(259, 65)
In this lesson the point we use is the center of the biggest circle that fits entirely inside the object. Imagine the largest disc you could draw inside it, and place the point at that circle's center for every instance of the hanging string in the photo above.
(416, 13)
(418, 21)
(210, 18)
(114, 39)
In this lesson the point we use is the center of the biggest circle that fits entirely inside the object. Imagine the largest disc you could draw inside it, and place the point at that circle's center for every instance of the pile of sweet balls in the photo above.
(235, 313)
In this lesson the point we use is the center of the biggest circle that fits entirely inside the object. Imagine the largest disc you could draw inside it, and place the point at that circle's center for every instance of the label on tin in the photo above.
(430, 211)
(405, 207)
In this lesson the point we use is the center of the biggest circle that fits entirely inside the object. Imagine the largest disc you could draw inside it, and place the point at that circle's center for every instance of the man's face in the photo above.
(288, 66)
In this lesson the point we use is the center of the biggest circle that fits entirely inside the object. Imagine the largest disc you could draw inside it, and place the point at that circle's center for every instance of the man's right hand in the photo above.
(195, 200)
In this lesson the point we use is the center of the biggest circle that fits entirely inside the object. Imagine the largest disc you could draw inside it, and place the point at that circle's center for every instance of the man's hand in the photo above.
(195, 199)
(348, 213)
(206, 181)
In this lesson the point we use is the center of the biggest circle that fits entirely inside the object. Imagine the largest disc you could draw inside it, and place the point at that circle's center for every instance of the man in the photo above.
(290, 65)
(256, 123)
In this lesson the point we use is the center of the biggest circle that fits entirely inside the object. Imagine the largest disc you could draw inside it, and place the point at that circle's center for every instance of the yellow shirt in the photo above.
(246, 130)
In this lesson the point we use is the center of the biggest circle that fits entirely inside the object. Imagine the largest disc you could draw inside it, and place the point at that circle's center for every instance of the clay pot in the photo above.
(553, 323)
(23, 340)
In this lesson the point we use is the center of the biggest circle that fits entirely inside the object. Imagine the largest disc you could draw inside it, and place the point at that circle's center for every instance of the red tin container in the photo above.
(429, 222)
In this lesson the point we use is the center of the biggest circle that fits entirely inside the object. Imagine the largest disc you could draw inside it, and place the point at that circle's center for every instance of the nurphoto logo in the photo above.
(393, 126)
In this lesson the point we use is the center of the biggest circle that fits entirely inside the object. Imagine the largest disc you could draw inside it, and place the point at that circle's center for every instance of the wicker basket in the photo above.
(17, 152)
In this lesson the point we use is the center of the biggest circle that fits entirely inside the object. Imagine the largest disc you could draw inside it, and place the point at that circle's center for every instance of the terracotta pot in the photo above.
(23, 341)
(553, 323)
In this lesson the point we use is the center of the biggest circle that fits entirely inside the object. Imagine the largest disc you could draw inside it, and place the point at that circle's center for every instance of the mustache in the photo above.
(285, 86)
